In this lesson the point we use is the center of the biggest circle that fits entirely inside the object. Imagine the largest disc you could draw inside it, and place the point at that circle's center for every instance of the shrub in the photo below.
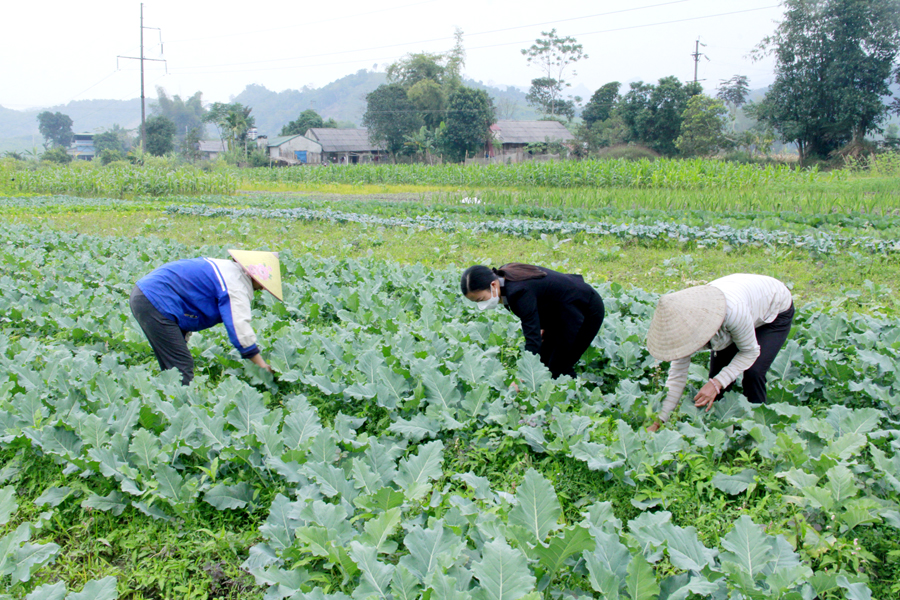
(627, 152)
(57, 155)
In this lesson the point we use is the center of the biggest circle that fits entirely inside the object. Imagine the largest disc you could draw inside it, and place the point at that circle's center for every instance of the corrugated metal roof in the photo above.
(343, 140)
(279, 140)
(212, 146)
(528, 132)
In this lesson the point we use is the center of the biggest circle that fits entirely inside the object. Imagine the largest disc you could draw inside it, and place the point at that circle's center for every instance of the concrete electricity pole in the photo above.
(697, 54)
(142, 59)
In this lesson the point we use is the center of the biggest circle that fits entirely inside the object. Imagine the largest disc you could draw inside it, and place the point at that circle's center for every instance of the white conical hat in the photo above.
(263, 267)
(684, 321)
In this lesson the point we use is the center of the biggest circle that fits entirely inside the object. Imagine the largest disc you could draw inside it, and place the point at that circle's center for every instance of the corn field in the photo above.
(118, 181)
(643, 174)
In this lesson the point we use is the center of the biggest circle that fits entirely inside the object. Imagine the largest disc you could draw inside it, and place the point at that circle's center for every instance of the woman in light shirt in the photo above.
(743, 319)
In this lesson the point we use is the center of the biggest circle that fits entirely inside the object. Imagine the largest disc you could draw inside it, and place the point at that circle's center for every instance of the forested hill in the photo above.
(342, 100)
(19, 128)
(345, 100)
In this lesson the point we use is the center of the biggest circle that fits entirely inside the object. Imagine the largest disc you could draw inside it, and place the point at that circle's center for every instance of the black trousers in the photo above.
(771, 338)
(167, 339)
(564, 354)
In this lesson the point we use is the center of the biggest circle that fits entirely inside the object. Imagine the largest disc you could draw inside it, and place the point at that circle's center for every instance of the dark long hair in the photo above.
(478, 277)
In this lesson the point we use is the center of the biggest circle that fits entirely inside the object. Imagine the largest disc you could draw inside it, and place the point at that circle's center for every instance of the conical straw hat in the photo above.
(684, 321)
(263, 267)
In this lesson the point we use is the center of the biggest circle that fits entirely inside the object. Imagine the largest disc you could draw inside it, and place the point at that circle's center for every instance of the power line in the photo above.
(440, 39)
(304, 25)
(369, 59)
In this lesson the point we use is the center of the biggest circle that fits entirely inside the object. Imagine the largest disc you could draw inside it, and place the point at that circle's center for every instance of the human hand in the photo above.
(542, 334)
(707, 395)
(655, 427)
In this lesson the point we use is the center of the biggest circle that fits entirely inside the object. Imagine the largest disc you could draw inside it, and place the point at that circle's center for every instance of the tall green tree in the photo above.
(602, 103)
(553, 56)
(160, 135)
(233, 122)
(702, 127)
(470, 114)
(307, 120)
(653, 113)
(833, 66)
(185, 114)
(545, 95)
(56, 129)
(390, 117)
(417, 67)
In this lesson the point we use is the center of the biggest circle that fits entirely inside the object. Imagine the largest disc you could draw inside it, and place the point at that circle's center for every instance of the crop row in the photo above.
(442, 205)
(117, 181)
(643, 174)
(385, 389)
(707, 236)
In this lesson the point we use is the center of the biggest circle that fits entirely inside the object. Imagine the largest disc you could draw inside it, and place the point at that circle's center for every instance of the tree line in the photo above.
(835, 61)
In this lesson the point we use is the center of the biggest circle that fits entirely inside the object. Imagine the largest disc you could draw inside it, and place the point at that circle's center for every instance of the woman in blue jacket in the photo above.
(560, 313)
(194, 294)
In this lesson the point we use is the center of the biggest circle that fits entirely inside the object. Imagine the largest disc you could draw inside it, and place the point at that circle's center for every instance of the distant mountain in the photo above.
(19, 128)
(345, 100)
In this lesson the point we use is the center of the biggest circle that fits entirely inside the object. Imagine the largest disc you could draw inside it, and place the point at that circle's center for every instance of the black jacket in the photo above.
(556, 303)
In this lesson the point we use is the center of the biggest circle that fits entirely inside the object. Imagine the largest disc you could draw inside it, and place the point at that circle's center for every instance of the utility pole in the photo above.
(697, 54)
(142, 59)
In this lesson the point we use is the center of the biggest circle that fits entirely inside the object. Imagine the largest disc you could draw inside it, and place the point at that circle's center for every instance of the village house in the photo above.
(82, 147)
(294, 150)
(346, 146)
(512, 138)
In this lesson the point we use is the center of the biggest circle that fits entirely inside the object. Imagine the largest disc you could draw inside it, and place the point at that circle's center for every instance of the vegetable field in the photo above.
(392, 456)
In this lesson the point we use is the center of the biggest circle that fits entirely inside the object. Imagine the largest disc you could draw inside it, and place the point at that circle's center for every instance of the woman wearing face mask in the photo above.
(560, 313)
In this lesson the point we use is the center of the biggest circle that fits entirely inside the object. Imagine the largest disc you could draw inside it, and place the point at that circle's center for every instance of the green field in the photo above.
(391, 456)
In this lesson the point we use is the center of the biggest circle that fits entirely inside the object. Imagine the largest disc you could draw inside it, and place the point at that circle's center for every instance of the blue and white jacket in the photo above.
(198, 293)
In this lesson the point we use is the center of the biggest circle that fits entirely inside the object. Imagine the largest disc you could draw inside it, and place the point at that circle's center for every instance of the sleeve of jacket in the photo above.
(678, 372)
(740, 325)
(234, 306)
(524, 305)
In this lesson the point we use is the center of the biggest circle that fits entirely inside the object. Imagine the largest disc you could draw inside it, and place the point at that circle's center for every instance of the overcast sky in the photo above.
(52, 52)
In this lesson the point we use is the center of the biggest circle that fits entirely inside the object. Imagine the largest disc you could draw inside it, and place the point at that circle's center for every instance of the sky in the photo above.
(54, 52)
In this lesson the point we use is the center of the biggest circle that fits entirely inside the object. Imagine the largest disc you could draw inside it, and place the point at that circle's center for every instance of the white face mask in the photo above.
(490, 304)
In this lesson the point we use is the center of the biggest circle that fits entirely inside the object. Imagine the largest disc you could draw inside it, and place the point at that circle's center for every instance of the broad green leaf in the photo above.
(8, 504)
(279, 526)
(641, 581)
(56, 591)
(114, 501)
(841, 483)
(531, 372)
(734, 484)
(538, 508)
(855, 591)
(29, 558)
(248, 409)
(376, 576)
(748, 547)
(430, 549)
(300, 427)
(569, 542)
(97, 589)
(52, 496)
(685, 550)
(225, 497)
(404, 585)
(379, 529)
(609, 554)
(503, 572)
(416, 472)
(383, 500)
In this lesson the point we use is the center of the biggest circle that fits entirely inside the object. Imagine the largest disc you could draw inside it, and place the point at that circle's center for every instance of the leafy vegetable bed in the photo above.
(392, 458)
